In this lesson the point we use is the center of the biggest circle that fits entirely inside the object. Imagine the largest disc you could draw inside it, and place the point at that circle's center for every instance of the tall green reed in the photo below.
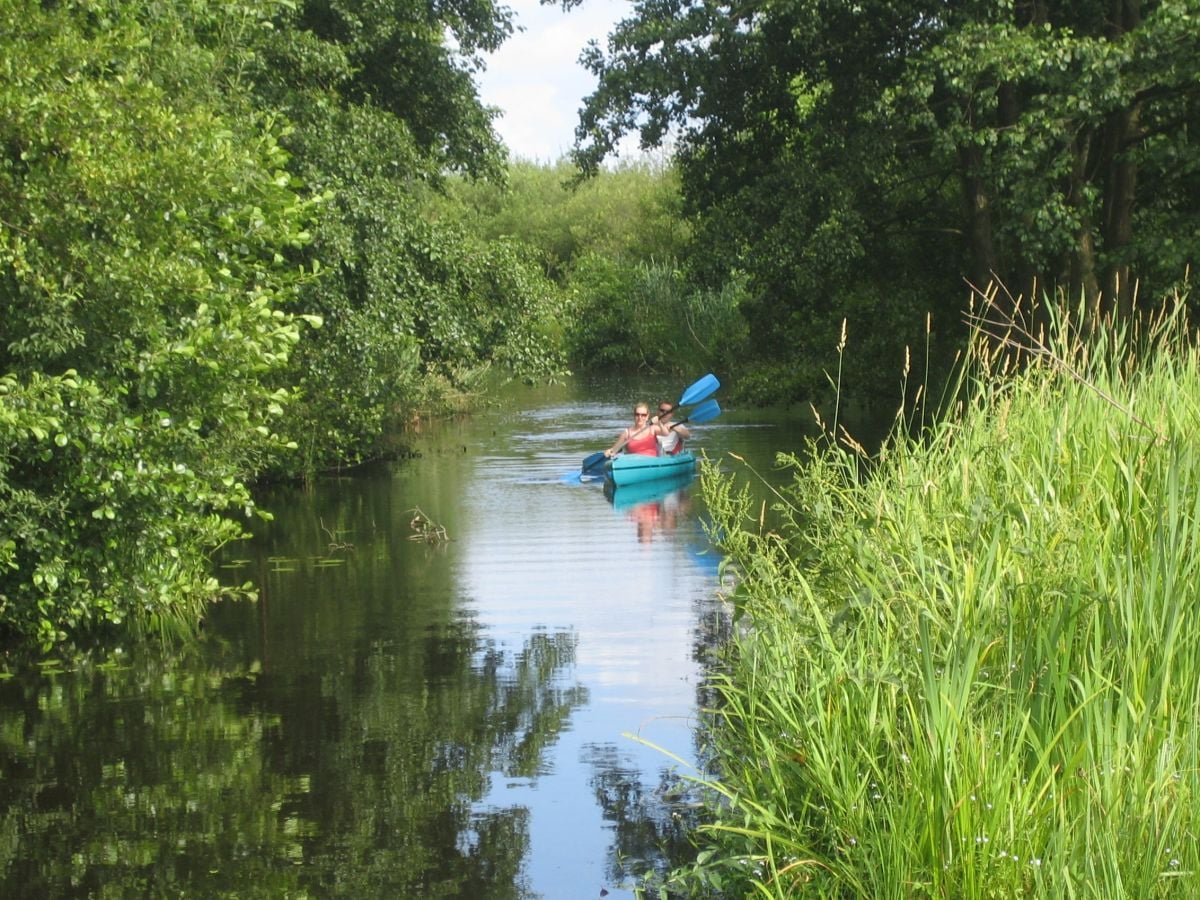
(968, 666)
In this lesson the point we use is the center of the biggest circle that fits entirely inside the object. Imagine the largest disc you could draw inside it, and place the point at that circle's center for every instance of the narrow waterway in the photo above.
(460, 681)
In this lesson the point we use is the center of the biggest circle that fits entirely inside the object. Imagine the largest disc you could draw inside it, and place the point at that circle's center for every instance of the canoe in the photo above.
(635, 468)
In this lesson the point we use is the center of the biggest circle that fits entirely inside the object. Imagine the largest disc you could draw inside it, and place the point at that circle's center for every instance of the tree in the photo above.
(144, 244)
(383, 108)
(1069, 129)
(413, 60)
(858, 160)
(631, 212)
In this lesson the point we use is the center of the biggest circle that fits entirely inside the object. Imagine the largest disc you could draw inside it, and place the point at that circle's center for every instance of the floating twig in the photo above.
(334, 544)
(425, 529)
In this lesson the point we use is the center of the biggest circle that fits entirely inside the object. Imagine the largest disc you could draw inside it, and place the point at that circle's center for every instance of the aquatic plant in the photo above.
(966, 665)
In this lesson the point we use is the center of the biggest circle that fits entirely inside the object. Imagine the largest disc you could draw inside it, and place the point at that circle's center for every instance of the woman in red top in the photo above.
(638, 437)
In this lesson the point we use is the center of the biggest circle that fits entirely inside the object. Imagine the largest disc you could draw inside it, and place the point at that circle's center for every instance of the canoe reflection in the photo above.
(653, 505)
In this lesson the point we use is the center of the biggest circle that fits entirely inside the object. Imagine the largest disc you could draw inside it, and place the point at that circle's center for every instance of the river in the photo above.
(469, 675)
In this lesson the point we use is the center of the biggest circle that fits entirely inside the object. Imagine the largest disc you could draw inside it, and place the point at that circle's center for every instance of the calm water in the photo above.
(400, 717)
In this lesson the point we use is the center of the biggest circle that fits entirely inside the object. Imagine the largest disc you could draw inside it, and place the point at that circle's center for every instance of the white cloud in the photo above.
(536, 79)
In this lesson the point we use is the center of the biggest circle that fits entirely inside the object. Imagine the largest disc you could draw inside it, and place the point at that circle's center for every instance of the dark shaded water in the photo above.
(400, 715)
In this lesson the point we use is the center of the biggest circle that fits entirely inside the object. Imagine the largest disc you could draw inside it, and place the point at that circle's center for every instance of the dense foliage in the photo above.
(859, 160)
(968, 667)
(144, 236)
(614, 243)
(414, 310)
(646, 317)
(181, 187)
(631, 213)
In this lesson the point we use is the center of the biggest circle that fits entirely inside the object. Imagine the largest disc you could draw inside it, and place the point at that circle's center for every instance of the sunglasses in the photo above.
(664, 409)
(636, 414)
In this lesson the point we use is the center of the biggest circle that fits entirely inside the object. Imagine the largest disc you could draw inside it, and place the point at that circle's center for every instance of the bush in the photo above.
(143, 271)
(643, 316)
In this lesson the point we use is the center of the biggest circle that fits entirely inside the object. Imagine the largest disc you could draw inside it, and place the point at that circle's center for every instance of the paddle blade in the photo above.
(705, 412)
(594, 464)
(705, 387)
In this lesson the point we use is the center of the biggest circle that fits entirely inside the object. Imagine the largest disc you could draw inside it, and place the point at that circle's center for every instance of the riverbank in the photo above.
(968, 667)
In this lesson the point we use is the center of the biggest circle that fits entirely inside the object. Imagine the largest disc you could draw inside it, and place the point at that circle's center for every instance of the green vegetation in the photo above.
(182, 188)
(251, 240)
(860, 160)
(967, 667)
(144, 236)
(632, 213)
(645, 316)
(415, 310)
(616, 245)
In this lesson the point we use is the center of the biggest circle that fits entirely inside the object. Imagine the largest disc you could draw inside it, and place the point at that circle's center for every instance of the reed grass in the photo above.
(969, 665)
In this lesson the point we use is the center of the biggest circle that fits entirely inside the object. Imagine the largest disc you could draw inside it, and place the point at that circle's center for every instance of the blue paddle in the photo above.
(698, 390)
(705, 412)
(705, 387)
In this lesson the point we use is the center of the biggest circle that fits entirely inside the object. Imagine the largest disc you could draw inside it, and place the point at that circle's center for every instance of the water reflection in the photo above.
(656, 506)
(397, 717)
(122, 779)
(650, 821)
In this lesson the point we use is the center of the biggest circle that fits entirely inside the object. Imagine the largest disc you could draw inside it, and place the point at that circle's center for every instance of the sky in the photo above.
(536, 79)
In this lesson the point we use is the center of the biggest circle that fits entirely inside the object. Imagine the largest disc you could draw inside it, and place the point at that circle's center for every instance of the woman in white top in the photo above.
(670, 437)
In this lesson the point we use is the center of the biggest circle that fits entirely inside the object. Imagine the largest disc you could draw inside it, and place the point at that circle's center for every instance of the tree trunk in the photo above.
(1120, 177)
(1120, 192)
(1082, 279)
(977, 208)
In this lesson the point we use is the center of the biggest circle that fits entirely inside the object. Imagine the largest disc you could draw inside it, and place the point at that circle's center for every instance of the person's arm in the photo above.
(622, 438)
